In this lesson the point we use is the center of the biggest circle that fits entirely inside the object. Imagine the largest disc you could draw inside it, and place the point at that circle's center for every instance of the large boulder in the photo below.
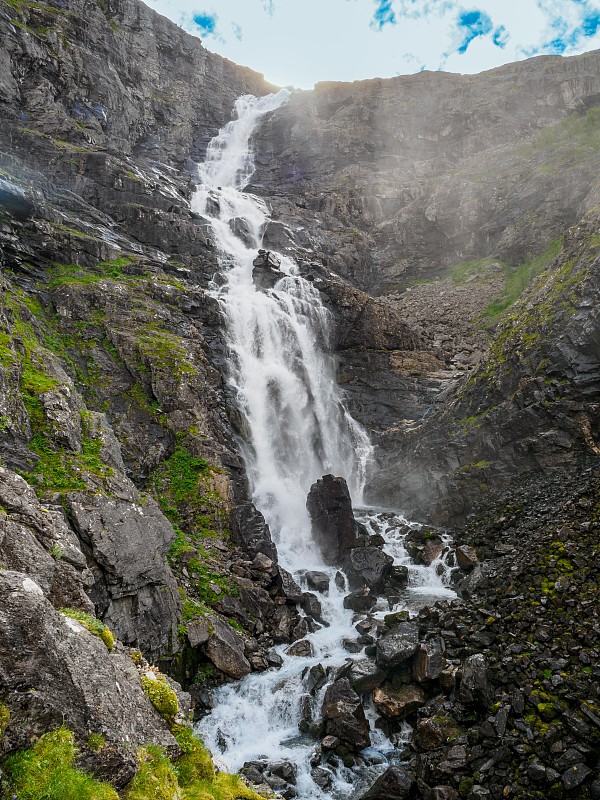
(394, 784)
(266, 270)
(365, 675)
(370, 566)
(344, 715)
(398, 703)
(333, 525)
(398, 645)
(128, 537)
(474, 685)
(250, 531)
(53, 671)
(225, 648)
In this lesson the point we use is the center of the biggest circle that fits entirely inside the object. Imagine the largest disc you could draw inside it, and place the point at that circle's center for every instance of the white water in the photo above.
(297, 430)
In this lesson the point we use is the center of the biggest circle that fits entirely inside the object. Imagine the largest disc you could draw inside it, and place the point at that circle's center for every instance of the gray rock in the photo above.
(428, 663)
(575, 776)
(319, 581)
(398, 645)
(128, 540)
(466, 557)
(303, 649)
(370, 565)
(289, 587)
(199, 631)
(225, 648)
(361, 600)
(394, 784)
(365, 675)
(344, 715)
(398, 703)
(266, 270)
(54, 671)
(474, 684)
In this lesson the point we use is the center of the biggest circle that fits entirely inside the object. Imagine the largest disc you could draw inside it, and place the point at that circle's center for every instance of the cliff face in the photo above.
(398, 179)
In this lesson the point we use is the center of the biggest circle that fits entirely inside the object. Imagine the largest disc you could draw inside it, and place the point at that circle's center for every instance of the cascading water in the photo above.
(297, 430)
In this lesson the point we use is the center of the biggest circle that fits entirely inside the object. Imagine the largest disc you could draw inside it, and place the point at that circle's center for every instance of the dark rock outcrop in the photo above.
(344, 716)
(333, 524)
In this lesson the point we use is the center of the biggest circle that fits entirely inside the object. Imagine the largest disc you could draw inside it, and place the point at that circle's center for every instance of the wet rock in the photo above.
(312, 606)
(198, 631)
(225, 648)
(289, 587)
(370, 566)
(303, 649)
(266, 270)
(398, 645)
(262, 563)
(466, 557)
(330, 743)
(432, 550)
(352, 645)
(250, 531)
(274, 659)
(428, 663)
(394, 784)
(395, 618)
(361, 600)
(398, 703)
(319, 581)
(54, 671)
(575, 776)
(474, 684)
(340, 581)
(344, 715)
(365, 675)
(333, 525)
(441, 793)
(322, 777)
(314, 678)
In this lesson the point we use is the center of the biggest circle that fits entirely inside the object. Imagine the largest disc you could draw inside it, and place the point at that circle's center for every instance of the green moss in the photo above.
(93, 625)
(165, 351)
(46, 772)
(4, 719)
(224, 787)
(195, 764)
(96, 742)
(156, 777)
(162, 697)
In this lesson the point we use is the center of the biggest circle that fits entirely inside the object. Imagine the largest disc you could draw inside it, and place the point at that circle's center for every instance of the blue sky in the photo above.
(300, 42)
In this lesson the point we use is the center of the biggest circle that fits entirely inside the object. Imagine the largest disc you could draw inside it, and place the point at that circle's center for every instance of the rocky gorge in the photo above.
(450, 227)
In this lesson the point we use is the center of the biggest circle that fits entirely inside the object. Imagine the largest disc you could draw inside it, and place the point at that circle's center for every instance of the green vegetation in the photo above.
(162, 697)
(96, 742)
(461, 273)
(69, 274)
(156, 777)
(165, 351)
(195, 764)
(93, 625)
(4, 719)
(574, 140)
(46, 772)
(517, 279)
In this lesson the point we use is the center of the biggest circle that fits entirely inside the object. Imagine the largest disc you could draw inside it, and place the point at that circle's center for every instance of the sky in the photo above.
(300, 42)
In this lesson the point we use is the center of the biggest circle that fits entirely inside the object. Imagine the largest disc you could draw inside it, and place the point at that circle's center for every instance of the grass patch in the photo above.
(162, 697)
(46, 771)
(517, 279)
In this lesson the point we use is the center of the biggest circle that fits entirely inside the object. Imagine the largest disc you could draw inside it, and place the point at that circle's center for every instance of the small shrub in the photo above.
(162, 697)
(93, 625)
(96, 742)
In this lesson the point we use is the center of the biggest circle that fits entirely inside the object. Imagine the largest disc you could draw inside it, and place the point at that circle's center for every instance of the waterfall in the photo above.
(281, 371)
(296, 429)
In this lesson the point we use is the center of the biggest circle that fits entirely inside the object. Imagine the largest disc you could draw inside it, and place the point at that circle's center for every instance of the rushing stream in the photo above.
(298, 429)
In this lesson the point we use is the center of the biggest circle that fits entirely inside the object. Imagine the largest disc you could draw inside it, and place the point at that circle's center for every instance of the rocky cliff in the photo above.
(423, 208)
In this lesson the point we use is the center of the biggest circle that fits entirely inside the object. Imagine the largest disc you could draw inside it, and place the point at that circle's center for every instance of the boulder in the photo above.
(225, 648)
(365, 675)
(432, 550)
(303, 649)
(53, 671)
(361, 600)
(250, 531)
(394, 784)
(370, 565)
(398, 645)
(312, 606)
(319, 581)
(344, 715)
(333, 525)
(474, 685)
(128, 538)
(288, 586)
(428, 663)
(199, 631)
(266, 270)
(398, 703)
(466, 557)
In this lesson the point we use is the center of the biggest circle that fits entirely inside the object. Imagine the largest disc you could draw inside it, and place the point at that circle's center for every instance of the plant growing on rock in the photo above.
(160, 694)
(93, 625)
